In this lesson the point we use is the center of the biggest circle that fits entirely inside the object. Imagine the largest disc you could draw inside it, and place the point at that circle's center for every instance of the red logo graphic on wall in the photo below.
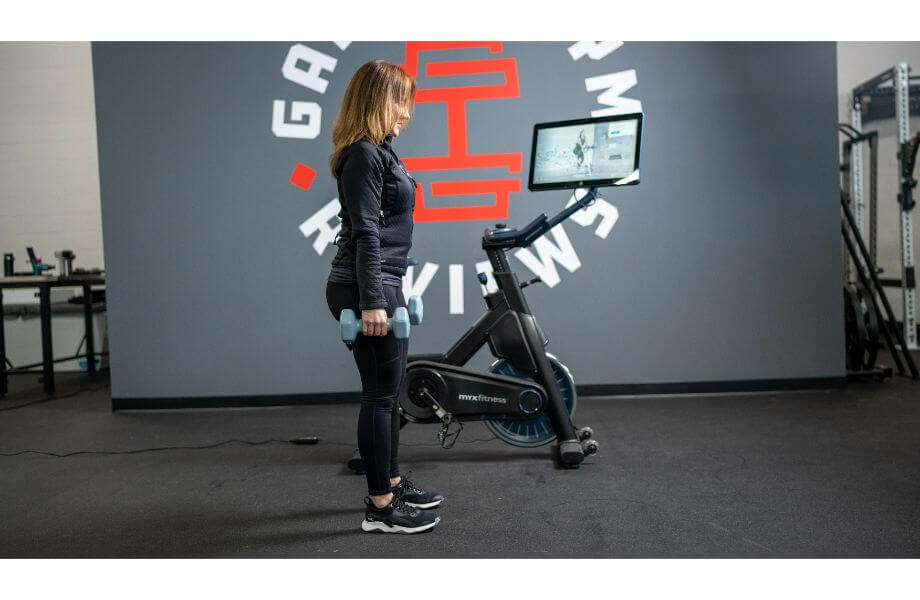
(496, 191)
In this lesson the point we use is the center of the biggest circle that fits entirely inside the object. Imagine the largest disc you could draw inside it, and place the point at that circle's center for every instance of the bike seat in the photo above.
(499, 234)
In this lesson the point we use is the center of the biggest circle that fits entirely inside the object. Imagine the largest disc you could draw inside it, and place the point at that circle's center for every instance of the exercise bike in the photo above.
(528, 396)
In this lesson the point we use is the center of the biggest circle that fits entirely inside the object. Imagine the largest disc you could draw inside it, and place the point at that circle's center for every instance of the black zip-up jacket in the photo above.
(377, 196)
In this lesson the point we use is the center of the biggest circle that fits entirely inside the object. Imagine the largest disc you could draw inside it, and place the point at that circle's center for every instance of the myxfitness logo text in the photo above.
(482, 398)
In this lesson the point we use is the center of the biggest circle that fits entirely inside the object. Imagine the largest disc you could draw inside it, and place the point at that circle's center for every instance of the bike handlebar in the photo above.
(521, 238)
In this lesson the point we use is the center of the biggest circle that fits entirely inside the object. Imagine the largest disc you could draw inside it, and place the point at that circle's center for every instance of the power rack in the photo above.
(889, 94)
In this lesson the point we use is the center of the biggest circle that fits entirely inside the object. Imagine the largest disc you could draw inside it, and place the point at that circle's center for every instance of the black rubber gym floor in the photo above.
(811, 474)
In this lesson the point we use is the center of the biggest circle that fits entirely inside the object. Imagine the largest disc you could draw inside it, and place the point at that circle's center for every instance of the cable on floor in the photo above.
(297, 441)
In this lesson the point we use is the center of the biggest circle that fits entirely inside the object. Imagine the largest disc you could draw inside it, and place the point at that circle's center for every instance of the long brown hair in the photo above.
(371, 105)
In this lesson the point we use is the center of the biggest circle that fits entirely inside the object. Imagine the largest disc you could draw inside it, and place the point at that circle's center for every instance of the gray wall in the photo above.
(722, 265)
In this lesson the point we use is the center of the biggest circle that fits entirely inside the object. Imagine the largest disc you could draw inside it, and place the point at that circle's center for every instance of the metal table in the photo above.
(44, 283)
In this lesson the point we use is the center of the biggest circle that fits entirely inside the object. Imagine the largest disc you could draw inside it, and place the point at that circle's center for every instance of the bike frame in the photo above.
(510, 328)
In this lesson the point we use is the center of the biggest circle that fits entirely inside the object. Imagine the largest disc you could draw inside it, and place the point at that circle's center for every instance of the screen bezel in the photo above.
(583, 183)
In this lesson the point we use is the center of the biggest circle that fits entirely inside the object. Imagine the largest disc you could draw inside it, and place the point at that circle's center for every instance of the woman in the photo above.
(579, 149)
(377, 197)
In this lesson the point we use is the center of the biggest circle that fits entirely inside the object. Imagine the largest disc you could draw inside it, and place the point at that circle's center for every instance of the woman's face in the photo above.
(401, 120)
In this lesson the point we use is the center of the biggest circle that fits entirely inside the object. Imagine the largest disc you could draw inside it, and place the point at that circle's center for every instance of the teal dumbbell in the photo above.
(351, 326)
(415, 310)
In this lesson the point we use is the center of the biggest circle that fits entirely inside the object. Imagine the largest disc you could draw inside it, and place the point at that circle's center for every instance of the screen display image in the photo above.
(602, 150)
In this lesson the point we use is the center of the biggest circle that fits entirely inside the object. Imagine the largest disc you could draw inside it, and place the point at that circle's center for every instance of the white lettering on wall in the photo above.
(614, 84)
(594, 50)
(312, 77)
(456, 289)
(607, 212)
(545, 266)
(319, 224)
(413, 286)
(306, 131)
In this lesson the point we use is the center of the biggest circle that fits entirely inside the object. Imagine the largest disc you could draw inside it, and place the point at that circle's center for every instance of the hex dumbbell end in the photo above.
(349, 325)
(416, 310)
(400, 323)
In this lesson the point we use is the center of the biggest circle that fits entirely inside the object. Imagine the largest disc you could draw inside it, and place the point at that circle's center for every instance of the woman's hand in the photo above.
(374, 321)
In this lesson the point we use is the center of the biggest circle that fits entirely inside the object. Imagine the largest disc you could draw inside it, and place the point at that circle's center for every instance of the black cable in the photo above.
(303, 440)
(142, 450)
(297, 441)
(848, 130)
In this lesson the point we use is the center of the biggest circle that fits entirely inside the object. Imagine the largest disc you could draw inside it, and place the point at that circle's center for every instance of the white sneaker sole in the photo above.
(429, 505)
(379, 526)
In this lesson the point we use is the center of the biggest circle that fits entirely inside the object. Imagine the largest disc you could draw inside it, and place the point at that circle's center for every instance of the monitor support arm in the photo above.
(583, 202)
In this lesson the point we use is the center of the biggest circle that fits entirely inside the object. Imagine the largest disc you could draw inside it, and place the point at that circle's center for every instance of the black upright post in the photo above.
(3, 383)
(88, 319)
(44, 295)
(556, 409)
(846, 168)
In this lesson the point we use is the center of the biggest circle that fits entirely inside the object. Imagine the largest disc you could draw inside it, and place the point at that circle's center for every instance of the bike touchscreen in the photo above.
(597, 152)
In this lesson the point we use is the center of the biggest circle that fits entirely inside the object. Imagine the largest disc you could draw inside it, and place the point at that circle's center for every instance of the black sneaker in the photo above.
(397, 517)
(413, 496)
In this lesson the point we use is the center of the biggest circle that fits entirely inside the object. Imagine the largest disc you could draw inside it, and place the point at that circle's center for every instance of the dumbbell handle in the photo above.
(389, 324)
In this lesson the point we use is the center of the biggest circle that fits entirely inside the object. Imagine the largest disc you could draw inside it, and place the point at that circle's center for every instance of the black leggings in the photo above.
(381, 362)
